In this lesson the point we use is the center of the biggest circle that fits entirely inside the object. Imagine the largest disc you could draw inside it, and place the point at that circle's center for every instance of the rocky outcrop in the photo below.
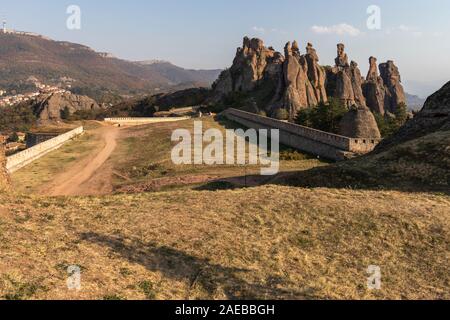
(435, 116)
(374, 89)
(383, 92)
(316, 74)
(359, 122)
(249, 64)
(348, 80)
(49, 108)
(252, 63)
(4, 177)
(342, 58)
(294, 81)
(395, 94)
(298, 90)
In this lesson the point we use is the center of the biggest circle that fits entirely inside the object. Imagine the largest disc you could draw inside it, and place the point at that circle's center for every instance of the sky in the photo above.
(204, 34)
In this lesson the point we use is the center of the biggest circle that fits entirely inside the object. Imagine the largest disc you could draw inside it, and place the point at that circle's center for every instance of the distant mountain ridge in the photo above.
(179, 75)
(414, 102)
(22, 56)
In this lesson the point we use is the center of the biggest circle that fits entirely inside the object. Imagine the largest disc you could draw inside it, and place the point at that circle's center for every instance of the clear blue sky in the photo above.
(205, 33)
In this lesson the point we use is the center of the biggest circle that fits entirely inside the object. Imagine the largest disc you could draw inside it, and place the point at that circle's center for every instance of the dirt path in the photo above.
(85, 178)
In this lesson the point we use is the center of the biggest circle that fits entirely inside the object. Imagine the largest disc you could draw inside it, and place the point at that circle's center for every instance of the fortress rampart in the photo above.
(320, 143)
(21, 159)
(142, 121)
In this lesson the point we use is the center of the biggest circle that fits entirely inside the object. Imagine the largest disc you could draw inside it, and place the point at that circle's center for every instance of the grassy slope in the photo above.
(264, 242)
(418, 165)
(35, 176)
(143, 154)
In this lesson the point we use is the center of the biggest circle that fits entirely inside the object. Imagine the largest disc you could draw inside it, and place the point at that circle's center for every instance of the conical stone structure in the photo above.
(359, 123)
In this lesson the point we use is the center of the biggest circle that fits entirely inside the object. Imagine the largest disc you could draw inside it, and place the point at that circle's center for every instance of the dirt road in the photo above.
(86, 178)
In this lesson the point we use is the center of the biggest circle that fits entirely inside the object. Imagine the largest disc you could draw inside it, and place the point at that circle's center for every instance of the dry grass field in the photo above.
(256, 243)
(182, 240)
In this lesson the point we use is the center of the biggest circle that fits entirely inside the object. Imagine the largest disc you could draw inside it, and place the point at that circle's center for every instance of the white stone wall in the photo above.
(21, 159)
(142, 121)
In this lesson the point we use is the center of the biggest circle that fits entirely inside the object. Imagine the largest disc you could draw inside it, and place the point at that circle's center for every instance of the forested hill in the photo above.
(24, 56)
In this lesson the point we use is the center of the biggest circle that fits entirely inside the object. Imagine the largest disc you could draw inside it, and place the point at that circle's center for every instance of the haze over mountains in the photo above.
(53, 62)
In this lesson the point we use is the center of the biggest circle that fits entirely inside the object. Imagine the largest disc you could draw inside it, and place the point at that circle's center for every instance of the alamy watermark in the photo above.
(191, 150)
(73, 22)
(74, 279)
(374, 20)
(374, 279)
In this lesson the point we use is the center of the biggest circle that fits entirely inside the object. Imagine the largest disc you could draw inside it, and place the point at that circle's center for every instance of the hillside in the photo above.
(416, 158)
(53, 62)
(264, 242)
(178, 75)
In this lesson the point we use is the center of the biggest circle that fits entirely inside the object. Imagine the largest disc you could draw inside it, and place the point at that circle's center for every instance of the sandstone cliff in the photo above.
(49, 108)
(374, 89)
(395, 94)
(292, 82)
(270, 81)
(295, 81)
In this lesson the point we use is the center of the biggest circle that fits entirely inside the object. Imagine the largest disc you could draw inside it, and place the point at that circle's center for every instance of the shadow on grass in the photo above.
(180, 266)
(335, 176)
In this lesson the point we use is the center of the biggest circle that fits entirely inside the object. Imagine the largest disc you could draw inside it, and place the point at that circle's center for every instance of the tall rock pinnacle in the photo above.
(316, 74)
(374, 89)
(395, 94)
(295, 81)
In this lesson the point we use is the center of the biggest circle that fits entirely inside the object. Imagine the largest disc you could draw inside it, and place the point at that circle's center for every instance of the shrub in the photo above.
(389, 125)
(65, 113)
(262, 113)
(16, 118)
(281, 114)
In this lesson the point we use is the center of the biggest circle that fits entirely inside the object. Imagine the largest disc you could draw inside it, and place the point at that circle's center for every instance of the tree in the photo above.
(65, 113)
(325, 116)
(391, 123)
(16, 118)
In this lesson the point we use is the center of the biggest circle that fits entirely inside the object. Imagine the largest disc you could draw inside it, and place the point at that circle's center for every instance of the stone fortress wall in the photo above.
(320, 143)
(142, 121)
(21, 159)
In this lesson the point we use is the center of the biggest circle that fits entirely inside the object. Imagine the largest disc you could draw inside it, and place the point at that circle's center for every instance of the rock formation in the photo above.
(248, 69)
(294, 81)
(359, 122)
(49, 108)
(395, 94)
(435, 116)
(342, 58)
(374, 89)
(298, 90)
(348, 80)
(316, 74)
(383, 92)
(4, 177)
